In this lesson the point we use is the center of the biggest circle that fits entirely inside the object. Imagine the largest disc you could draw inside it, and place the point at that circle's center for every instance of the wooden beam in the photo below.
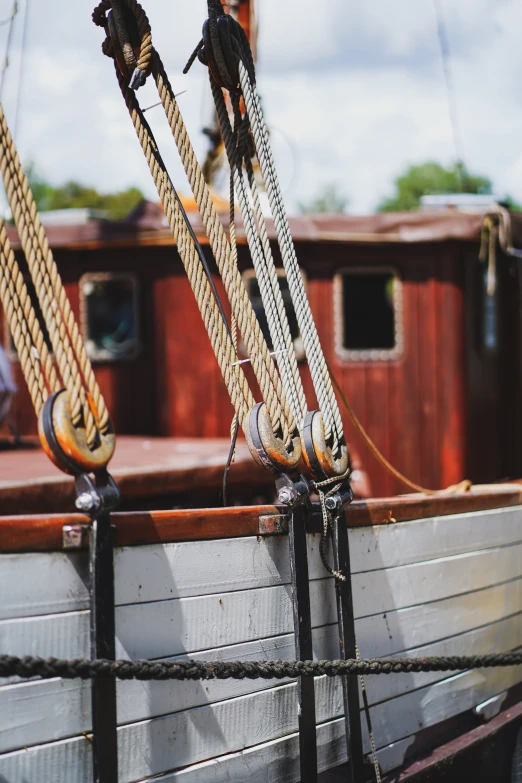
(44, 532)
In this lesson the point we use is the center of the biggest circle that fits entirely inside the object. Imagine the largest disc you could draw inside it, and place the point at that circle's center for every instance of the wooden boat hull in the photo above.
(448, 584)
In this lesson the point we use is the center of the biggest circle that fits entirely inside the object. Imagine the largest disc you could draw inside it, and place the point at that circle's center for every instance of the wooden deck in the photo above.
(143, 468)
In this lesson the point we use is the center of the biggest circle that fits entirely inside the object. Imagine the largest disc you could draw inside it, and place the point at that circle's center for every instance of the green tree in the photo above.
(74, 195)
(329, 200)
(430, 179)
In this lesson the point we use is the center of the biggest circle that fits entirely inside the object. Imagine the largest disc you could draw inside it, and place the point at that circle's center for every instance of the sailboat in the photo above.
(203, 602)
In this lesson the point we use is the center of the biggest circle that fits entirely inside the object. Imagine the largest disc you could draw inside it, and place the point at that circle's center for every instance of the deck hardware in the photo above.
(273, 524)
(267, 449)
(346, 623)
(299, 506)
(102, 495)
(317, 453)
(74, 536)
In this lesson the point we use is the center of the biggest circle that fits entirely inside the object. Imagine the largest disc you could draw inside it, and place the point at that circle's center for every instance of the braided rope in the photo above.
(265, 272)
(235, 380)
(35, 360)
(73, 363)
(318, 369)
(279, 410)
(84, 668)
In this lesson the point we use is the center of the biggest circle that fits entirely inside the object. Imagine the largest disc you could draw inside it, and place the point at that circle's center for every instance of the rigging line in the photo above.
(199, 249)
(451, 95)
(21, 70)
(8, 46)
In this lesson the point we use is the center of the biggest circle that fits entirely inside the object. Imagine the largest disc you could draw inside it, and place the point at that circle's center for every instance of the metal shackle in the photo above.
(266, 448)
(66, 445)
(317, 454)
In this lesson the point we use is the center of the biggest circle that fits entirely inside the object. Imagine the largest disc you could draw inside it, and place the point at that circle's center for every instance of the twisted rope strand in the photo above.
(262, 363)
(235, 380)
(265, 273)
(320, 376)
(83, 668)
(73, 362)
(27, 334)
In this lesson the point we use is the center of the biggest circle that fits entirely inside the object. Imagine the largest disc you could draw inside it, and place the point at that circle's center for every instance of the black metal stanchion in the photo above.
(303, 643)
(346, 622)
(98, 500)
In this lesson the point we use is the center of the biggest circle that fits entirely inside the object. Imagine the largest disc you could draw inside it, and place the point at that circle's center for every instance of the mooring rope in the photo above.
(84, 668)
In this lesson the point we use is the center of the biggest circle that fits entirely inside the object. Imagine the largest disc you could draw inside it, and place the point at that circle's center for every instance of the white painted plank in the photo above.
(69, 761)
(151, 747)
(244, 614)
(25, 707)
(166, 628)
(271, 762)
(387, 546)
(395, 588)
(402, 717)
(42, 583)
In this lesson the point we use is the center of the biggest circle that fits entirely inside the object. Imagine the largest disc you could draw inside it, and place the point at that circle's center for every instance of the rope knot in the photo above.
(129, 38)
(223, 46)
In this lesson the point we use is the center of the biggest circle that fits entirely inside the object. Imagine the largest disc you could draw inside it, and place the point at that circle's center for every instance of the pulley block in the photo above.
(66, 445)
(317, 454)
(268, 450)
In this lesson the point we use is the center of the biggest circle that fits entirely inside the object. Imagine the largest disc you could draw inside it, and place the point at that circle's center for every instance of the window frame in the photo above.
(103, 356)
(250, 274)
(369, 354)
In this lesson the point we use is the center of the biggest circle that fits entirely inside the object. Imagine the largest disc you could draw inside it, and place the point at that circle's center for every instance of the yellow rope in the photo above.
(71, 357)
(462, 486)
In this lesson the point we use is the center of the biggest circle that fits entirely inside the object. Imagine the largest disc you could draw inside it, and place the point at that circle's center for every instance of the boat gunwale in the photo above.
(44, 532)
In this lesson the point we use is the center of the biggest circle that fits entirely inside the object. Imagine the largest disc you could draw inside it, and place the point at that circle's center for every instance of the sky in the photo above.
(353, 93)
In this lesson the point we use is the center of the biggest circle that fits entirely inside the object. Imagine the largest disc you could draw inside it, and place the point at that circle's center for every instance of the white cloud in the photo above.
(355, 92)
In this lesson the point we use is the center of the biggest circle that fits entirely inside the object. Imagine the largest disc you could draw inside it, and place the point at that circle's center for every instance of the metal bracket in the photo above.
(98, 498)
(346, 623)
(294, 495)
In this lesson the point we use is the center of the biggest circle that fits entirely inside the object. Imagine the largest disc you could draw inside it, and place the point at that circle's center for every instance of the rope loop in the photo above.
(129, 38)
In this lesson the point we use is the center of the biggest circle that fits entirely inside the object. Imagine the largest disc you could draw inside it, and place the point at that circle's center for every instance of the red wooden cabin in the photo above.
(429, 360)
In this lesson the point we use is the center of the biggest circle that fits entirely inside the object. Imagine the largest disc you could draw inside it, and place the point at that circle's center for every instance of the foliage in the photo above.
(429, 179)
(74, 195)
(329, 200)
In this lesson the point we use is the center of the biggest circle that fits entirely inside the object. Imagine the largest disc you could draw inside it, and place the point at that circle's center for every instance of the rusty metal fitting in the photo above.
(66, 445)
(317, 454)
(267, 449)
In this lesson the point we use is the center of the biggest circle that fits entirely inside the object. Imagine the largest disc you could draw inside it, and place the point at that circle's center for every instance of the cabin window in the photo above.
(252, 287)
(368, 314)
(109, 316)
(11, 349)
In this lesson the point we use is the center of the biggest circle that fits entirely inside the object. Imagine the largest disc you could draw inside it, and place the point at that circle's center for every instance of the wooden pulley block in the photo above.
(317, 454)
(268, 450)
(66, 445)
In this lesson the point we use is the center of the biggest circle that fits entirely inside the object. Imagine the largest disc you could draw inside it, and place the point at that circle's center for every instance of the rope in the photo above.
(217, 330)
(462, 486)
(264, 368)
(335, 483)
(73, 363)
(264, 266)
(318, 369)
(28, 338)
(84, 669)
(263, 365)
